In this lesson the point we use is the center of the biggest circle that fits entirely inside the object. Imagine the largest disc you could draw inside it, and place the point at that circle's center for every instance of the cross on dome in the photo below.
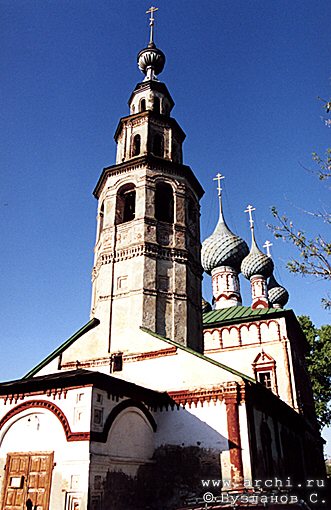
(267, 246)
(218, 178)
(250, 210)
(151, 11)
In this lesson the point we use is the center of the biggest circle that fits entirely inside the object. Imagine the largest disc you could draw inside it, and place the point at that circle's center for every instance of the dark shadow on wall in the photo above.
(174, 476)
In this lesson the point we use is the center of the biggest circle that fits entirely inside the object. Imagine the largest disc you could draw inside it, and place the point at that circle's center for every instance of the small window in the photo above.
(156, 105)
(136, 145)
(164, 202)
(99, 398)
(125, 204)
(101, 218)
(98, 416)
(158, 145)
(97, 482)
(117, 362)
(265, 379)
(143, 105)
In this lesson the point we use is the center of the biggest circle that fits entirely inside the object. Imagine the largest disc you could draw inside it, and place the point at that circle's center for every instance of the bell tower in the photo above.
(147, 269)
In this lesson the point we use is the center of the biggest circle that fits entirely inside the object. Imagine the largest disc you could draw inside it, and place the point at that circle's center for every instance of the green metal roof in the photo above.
(199, 355)
(235, 314)
(90, 325)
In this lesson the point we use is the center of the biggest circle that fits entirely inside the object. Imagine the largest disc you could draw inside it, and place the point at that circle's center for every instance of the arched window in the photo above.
(101, 218)
(158, 145)
(125, 204)
(143, 105)
(156, 105)
(165, 107)
(164, 202)
(136, 145)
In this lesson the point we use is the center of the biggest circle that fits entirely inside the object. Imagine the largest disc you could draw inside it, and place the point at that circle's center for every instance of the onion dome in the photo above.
(223, 247)
(277, 294)
(206, 307)
(151, 61)
(256, 262)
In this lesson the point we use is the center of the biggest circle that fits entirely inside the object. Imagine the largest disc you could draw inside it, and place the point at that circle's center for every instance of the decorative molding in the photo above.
(149, 249)
(227, 391)
(49, 406)
(171, 351)
(89, 363)
(127, 358)
(238, 342)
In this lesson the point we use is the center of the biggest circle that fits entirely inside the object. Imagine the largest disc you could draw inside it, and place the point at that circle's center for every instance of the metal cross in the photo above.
(267, 245)
(151, 11)
(249, 210)
(218, 178)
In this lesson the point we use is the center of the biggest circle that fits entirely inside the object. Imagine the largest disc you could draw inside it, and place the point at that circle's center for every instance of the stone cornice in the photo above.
(152, 163)
(150, 116)
(231, 392)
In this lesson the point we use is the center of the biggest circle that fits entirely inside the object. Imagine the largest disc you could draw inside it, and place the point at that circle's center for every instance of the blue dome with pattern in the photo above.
(223, 248)
(256, 262)
(277, 294)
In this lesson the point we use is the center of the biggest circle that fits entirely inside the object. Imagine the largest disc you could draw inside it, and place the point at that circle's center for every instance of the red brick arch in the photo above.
(53, 408)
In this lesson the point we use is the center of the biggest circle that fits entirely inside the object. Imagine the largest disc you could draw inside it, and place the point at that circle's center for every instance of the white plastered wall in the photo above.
(37, 429)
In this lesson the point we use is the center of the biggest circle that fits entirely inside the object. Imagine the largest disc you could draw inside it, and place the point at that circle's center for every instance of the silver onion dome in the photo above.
(277, 294)
(223, 247)
(151, 61)
(256, 262)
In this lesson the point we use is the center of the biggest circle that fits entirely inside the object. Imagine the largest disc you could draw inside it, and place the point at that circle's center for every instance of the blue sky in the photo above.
(245, 77)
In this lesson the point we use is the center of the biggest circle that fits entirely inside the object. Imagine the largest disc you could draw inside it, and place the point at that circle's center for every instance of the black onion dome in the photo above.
(256, 263)
(223, 248)
(151, 57)
(277, 294)
(206, 307)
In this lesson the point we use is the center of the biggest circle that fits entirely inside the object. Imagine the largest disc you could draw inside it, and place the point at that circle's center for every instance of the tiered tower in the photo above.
(147, 269)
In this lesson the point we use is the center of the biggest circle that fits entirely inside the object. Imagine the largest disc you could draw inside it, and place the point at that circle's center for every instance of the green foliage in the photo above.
(319, 366)
(314, 253)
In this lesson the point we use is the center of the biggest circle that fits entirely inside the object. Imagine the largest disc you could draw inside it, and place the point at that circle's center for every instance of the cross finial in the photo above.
(250, 210)
(151, 11)
(267, 246)
(218, 178)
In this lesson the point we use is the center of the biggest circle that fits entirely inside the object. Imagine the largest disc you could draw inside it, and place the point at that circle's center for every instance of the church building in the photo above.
(159, 391)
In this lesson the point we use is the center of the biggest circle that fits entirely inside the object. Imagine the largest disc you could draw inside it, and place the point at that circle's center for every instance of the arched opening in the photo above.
(158, 145)
(156, 105)
(143, 105)
(165, 109)
(125, 203)
(164, 202)
(136, 145)
(101, 218)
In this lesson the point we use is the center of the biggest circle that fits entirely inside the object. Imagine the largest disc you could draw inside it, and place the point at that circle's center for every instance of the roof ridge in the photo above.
(89, 325)
(199, 355)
